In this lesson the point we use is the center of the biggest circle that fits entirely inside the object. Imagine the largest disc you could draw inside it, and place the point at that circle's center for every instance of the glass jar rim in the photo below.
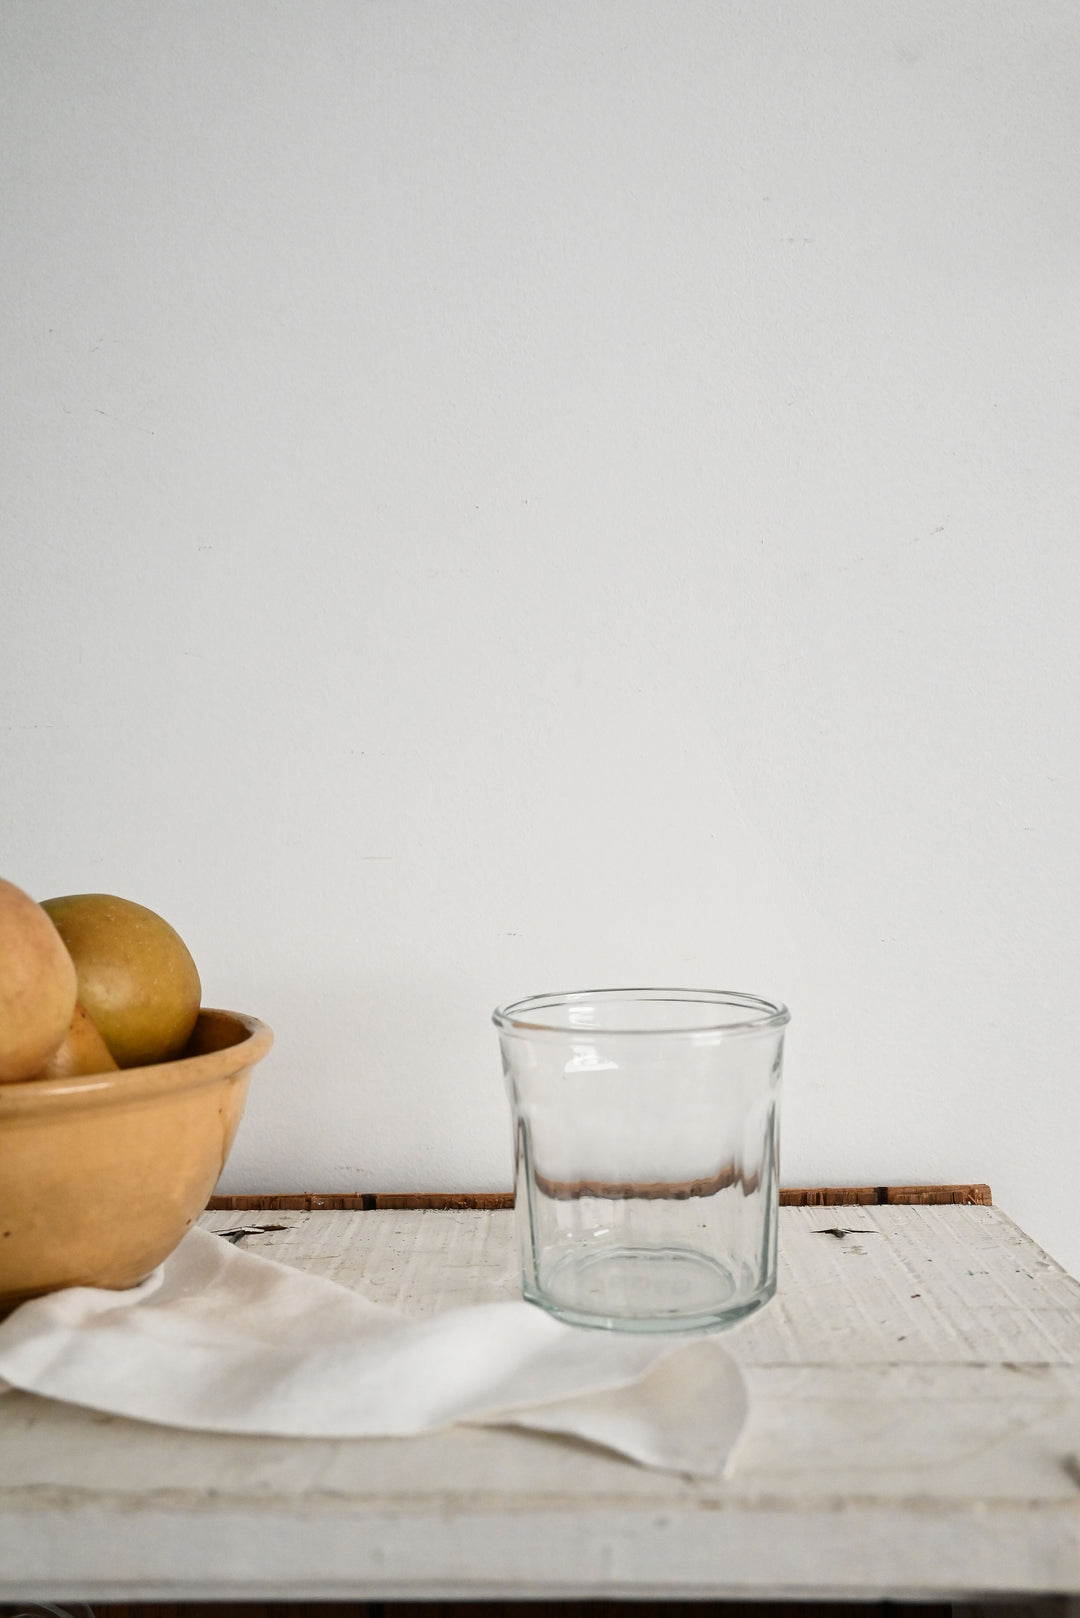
(521, 1017)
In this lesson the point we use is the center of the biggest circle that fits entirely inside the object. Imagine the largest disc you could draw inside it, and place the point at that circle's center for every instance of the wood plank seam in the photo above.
(790, 1197)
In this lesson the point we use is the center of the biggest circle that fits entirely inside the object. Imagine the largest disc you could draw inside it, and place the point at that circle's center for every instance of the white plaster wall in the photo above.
(501, 496)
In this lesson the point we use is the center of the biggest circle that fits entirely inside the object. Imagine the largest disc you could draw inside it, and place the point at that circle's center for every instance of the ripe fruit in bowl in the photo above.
(81, 1051)
(101, 1175)
(136, 977)
(37, 985)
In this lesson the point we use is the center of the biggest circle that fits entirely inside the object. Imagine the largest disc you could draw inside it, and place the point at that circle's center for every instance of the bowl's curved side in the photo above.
(222, 1042)
(98, 1189)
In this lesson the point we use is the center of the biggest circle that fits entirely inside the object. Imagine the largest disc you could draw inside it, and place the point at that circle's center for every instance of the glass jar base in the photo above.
(644, 1289)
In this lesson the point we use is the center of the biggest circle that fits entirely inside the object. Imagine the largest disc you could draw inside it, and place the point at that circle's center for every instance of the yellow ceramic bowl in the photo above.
(100, 1176)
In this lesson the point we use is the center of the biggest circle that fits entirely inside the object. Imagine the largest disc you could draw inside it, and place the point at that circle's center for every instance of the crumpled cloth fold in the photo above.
(222, 1340)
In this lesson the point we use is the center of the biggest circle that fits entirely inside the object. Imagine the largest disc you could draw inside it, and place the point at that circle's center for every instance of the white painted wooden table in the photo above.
(915, 1433)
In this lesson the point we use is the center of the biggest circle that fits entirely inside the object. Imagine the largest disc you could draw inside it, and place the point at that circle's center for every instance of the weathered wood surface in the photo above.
(1031, 1607)
(821, 1196)
(915, 1433)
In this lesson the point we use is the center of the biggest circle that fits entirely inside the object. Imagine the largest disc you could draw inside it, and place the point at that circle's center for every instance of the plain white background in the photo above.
(555, 493)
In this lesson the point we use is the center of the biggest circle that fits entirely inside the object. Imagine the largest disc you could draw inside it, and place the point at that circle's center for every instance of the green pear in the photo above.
(136, 977)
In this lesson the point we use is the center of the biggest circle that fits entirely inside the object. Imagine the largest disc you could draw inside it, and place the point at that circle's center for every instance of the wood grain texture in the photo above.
(359, 1201)
(546, 1609)
(556, 1609)
(886, 1285)
(927, 1194)
(369, 1201)
(914, 1434)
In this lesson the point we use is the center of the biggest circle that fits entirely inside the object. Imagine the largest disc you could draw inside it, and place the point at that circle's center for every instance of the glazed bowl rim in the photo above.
(124, 1086)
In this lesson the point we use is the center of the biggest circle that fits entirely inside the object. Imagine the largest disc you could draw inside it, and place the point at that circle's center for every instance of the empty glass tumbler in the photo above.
(646, 1135)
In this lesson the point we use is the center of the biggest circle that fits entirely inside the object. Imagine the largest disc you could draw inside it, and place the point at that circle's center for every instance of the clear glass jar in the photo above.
(646, 1137)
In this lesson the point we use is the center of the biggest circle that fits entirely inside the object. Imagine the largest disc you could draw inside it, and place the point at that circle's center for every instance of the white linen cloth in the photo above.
(226, 1341)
